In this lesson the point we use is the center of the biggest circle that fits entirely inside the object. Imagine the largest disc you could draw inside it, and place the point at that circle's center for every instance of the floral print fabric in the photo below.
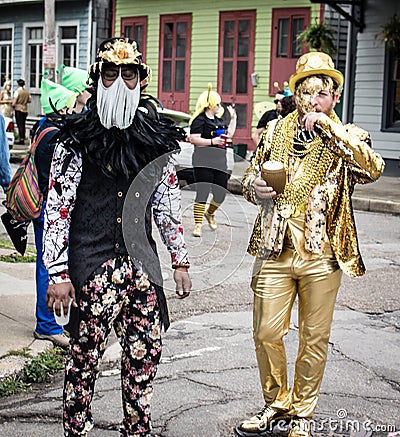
(109, 299)
(65, 176)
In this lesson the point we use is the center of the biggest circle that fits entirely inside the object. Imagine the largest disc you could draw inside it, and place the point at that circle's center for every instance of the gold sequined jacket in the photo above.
(354, 162)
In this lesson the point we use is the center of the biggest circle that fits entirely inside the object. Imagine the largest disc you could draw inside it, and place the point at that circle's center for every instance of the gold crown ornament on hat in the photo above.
(121, 51)
(313, 63)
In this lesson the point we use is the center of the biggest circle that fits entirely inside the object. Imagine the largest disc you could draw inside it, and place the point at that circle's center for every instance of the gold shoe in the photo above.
(211, 221)
(300, 427)
(261, 424)
(197, 230)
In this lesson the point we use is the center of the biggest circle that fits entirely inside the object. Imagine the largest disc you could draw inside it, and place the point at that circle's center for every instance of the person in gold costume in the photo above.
(303, 239)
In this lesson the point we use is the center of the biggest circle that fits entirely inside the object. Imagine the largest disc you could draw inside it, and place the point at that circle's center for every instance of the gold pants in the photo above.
(275, 284)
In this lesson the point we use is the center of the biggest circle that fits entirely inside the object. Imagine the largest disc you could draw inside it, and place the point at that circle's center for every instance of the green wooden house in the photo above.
(241, 47)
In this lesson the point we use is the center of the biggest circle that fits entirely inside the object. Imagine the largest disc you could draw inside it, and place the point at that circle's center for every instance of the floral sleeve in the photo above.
(65, 175)
(168, 216)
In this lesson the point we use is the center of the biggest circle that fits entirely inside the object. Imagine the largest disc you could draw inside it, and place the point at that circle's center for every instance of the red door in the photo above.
(287, 24)
(235, 66)
(174, 61)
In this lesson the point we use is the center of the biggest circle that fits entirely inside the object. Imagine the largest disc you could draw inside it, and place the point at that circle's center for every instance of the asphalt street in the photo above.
(208, 378)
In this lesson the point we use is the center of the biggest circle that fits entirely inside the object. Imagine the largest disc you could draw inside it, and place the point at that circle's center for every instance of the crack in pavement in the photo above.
(184, 373)
(393, 384)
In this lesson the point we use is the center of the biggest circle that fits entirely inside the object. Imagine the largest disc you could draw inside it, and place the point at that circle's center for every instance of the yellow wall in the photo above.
(204, 38)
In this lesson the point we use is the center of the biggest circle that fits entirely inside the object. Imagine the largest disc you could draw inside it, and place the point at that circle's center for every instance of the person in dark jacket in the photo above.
(272, 114)
(55, 99)
(5, 168)
(111, 171)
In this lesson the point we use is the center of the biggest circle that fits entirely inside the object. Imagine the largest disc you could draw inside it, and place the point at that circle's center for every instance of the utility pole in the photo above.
(49, 47)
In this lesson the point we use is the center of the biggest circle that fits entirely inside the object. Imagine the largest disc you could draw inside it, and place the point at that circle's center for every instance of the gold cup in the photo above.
(274, 174)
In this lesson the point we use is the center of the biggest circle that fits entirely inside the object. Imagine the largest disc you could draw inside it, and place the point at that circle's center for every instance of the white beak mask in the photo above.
(117, 104)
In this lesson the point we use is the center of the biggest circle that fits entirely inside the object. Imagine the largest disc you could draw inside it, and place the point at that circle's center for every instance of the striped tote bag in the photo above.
(24, 199)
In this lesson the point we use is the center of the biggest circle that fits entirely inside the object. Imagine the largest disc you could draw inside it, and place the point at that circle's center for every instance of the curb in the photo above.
(234, 185)
(11, 365)
(376, 205)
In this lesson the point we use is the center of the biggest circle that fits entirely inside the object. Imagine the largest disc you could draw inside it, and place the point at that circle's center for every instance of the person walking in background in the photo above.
(284, 104)
(207, 131)
(5, 168)
(303, 239)
(20, 104)
(6, 100)
(272, 114)
(48, 127)
(288, 105)
(98, 156)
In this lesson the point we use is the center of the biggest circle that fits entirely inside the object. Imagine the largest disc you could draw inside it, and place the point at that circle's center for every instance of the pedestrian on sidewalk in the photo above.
(303, 239)
(100, 153)
(288, 104)
(272, 114)
(209, 134)
(55, 100)
(6, 100)
(22, 98)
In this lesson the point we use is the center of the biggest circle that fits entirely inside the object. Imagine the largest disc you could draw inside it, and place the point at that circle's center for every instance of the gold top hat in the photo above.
(314, 63)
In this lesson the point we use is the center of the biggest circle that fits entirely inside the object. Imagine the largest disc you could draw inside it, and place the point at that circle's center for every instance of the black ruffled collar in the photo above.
(122, 151)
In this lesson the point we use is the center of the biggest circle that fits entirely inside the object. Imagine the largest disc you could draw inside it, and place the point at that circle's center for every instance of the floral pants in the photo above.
(116, 295)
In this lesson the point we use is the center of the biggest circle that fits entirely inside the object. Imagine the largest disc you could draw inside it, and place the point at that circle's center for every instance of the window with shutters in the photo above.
(5, 54)
(391, 100)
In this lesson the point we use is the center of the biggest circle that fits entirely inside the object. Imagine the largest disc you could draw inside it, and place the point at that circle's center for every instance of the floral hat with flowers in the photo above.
(120, 51)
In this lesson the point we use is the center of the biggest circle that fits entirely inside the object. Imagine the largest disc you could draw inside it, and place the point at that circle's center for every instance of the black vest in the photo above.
(96, 233)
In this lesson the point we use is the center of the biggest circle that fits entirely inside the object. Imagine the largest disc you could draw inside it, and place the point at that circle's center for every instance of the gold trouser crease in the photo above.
(276, 283)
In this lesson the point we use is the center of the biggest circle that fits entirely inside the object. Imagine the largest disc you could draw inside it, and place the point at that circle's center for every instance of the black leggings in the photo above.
(210, 180)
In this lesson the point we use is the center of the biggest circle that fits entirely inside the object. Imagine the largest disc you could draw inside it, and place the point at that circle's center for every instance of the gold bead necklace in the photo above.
(316, 159)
